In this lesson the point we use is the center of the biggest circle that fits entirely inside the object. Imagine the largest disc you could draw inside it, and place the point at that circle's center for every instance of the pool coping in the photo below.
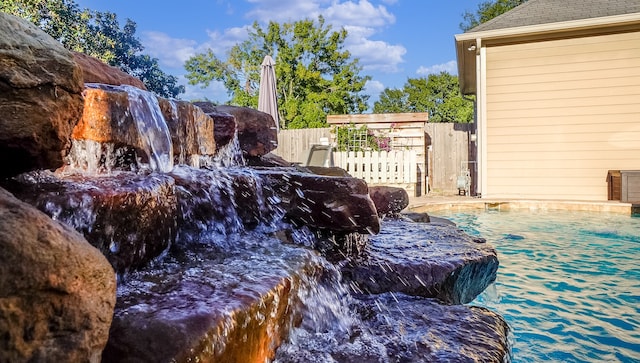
(432, 204)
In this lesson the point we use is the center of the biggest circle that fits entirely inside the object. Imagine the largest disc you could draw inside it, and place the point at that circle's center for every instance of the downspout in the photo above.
(472, 146)
(481, 103)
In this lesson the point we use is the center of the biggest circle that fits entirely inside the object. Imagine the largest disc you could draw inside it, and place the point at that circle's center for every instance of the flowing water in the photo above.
(229, 257)
(152, 128)
(568, 282)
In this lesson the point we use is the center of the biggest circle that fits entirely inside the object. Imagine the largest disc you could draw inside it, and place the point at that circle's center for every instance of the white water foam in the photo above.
(152, 128)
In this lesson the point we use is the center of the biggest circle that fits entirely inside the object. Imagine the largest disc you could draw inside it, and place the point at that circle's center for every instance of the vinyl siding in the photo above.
(560, 114)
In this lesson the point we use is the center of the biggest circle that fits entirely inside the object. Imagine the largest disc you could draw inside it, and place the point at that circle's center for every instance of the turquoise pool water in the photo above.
(568, 282)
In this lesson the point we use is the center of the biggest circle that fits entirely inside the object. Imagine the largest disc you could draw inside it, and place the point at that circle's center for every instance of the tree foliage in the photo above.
(437, 94)
(487, 10)
(97, 34)
(314, 75)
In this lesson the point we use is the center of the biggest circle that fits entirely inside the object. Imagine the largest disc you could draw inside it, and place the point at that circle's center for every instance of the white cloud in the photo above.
(174, 52)
(363, 20)
(374, 55)
(362, 13)
(171, 52)
(220, 43)
(373, 87)
(450, 67)
(283, 10)
(215, 92)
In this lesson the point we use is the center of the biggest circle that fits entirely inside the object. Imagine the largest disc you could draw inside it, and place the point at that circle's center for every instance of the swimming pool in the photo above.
(568, 282)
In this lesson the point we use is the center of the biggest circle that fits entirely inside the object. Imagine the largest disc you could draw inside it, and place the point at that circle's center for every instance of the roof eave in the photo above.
(467, 57)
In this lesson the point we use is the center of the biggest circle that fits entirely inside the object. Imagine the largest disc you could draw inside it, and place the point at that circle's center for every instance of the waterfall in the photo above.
(152, 128)
(230, 154)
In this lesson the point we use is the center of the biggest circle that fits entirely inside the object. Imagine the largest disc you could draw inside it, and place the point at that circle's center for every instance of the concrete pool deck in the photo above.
(434, 203)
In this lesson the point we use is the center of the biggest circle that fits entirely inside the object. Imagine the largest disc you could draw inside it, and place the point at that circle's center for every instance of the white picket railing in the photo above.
(380, 167)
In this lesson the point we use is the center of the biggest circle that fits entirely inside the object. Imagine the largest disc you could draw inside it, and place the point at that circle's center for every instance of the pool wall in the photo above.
(464, 204)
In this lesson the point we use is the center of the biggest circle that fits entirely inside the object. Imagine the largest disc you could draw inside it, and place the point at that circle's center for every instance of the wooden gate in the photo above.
(394, 168)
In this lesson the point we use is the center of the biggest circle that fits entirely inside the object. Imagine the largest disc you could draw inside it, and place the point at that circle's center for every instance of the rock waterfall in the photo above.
(140, 229)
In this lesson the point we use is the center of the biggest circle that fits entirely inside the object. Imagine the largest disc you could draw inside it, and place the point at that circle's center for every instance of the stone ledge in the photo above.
(204, 304)
(423, 259)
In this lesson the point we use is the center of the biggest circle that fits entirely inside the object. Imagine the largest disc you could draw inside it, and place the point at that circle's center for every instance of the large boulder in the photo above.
(96, 71)
(400, 328)
(424, 259)
(224, 124)
(389, 200)
(40, 98)
(57, 292)
(130, 218)
(337, 204)
(204, 304)
(192, 130)
(129, 119)
(268, 160)
(257, 131)
(430, 332)
(106, 118)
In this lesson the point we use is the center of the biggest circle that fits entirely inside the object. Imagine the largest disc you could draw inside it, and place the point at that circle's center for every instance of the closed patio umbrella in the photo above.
(267, 99)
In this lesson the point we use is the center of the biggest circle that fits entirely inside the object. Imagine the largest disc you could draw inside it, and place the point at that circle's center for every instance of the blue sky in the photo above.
(394, 39)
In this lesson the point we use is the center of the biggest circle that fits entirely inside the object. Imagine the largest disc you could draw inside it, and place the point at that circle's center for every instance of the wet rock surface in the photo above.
(268, 160)
(57, 292)
(127, 118)
(418, 217)
(399, 328)
(431, 332)
(192, 131)
(224, 123)
(428, 260)
(389, 200)
(257, 131)
(129, 217)
(96, 71)
(106, 118)
(335, 203)
(40, 98)
(231, 301)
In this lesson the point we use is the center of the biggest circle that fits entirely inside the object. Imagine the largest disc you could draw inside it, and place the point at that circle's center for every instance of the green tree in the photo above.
(392, 100)
(315, 76)
(121, 48)
(97, 34)
(437, 94)
(486, 11)
(62, 19)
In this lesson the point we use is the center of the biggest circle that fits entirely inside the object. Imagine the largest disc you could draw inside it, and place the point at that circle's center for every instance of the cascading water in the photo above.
(91, 157)
(152, 128)
(95, 158)
(230, 154)
(211, 264)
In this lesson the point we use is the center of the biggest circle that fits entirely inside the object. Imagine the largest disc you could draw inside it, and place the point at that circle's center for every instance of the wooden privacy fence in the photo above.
(294, 144)
(397, 167)
(447, 150)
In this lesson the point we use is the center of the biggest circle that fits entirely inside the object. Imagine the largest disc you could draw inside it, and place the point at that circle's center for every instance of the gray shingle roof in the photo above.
(535, 12)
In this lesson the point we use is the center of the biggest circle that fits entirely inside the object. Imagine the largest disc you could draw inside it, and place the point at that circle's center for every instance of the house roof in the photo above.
(535, 12)
(537, 20)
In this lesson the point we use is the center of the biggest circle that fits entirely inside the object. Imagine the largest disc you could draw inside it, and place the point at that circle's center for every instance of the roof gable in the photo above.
(535, 12)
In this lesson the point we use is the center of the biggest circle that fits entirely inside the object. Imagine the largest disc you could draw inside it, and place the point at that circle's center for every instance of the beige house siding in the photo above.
(560, 114)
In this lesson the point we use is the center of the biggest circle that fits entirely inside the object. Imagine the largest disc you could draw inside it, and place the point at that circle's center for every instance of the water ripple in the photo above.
(568, 283)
